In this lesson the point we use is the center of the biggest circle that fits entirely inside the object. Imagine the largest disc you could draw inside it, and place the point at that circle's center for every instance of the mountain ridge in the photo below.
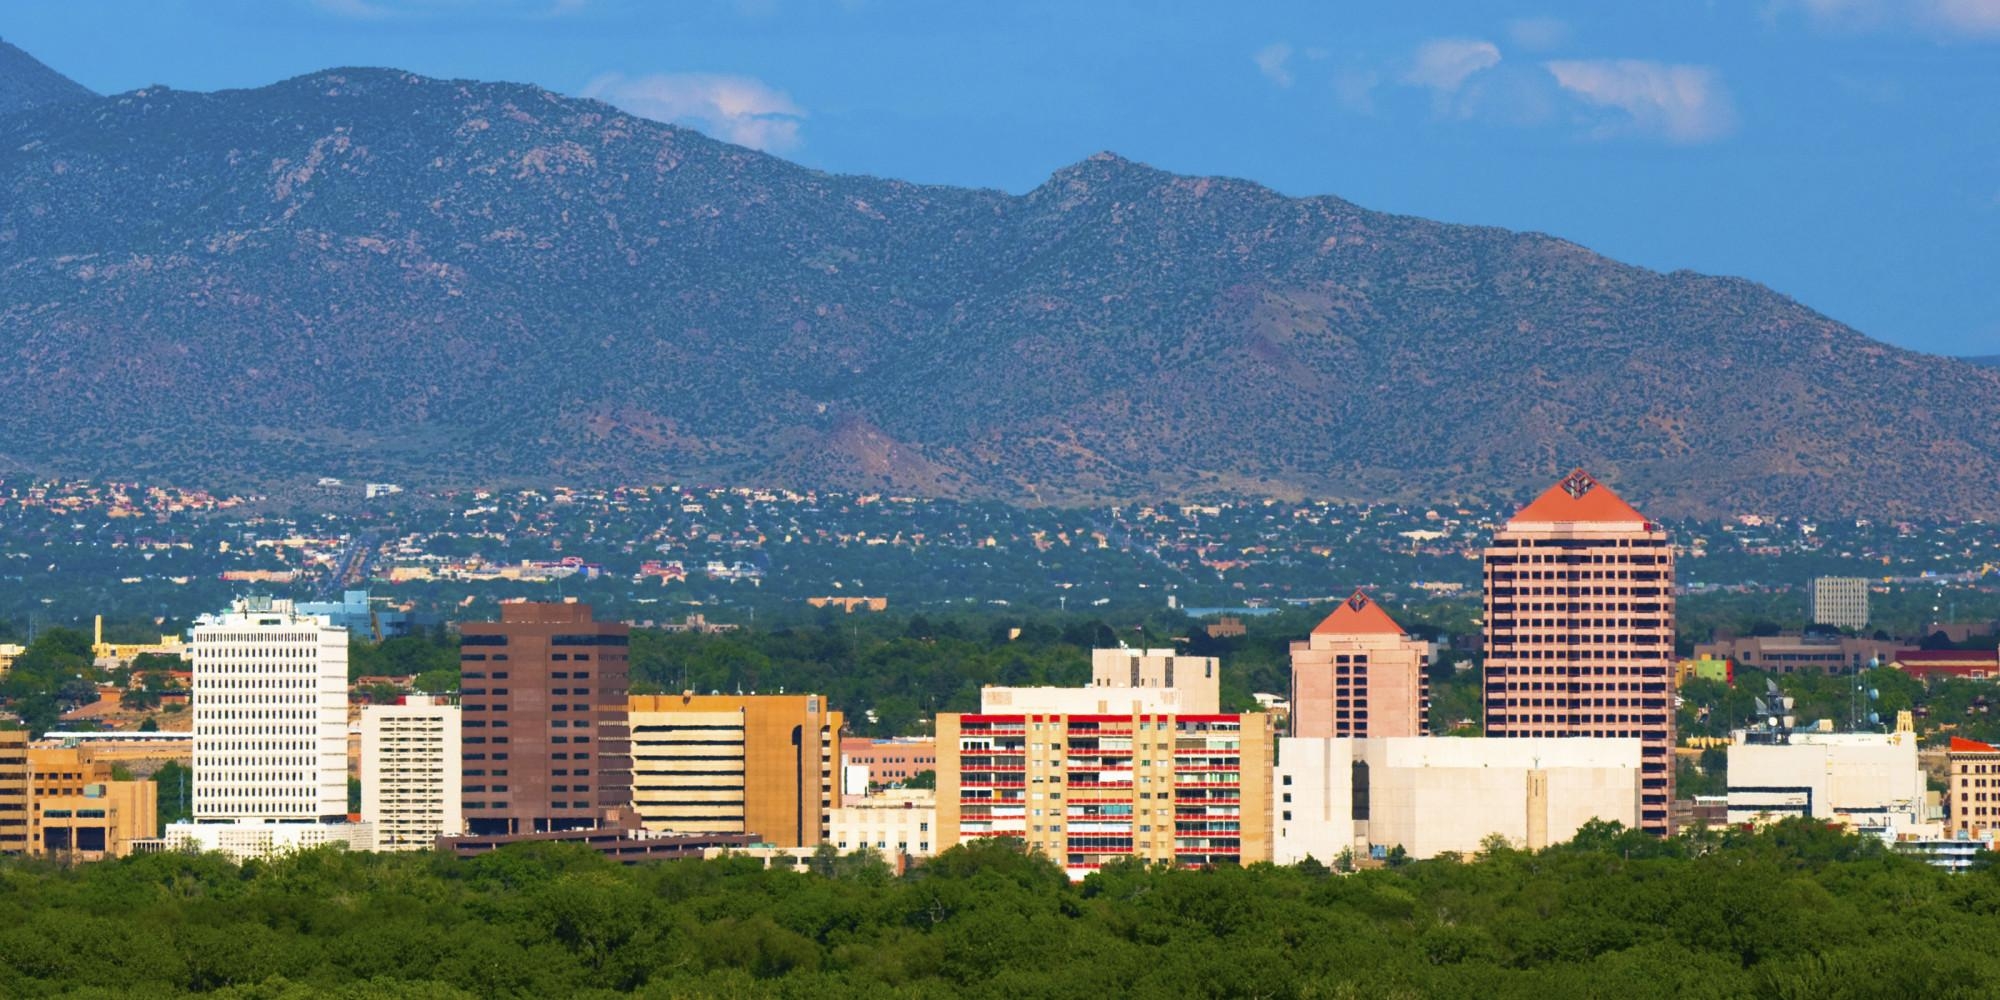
(26, 83)
(363, 271)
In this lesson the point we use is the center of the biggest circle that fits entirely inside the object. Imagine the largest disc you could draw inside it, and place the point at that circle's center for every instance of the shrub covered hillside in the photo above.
(1795, 912)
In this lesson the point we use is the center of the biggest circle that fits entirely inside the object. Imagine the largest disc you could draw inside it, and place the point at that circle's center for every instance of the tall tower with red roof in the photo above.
(1580, 629)
(1359, 674)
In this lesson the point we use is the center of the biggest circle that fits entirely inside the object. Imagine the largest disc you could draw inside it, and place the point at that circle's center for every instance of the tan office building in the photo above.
(760, 764)
(1580, 629)
(77, 811)
(411, 784)
(14, 792)
(1359, 674)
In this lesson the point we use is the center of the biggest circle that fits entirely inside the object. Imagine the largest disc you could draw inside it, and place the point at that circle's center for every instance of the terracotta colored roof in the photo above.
(1948, 656)
(1579, 497)
(1960, 744)
(1358, 615)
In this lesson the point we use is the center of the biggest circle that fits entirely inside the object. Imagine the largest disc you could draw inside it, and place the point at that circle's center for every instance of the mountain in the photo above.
(364, 272)
(1989, 360)
(26, 84)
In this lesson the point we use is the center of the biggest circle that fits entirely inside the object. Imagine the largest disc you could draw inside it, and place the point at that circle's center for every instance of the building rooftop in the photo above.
(1358, 615)
(1579, 497)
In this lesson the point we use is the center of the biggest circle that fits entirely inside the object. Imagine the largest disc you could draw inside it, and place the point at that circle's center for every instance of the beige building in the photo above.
(898, 821)
(1840, 601)
(1359, 674)
(411, 777)
(1123, 681)
(1868, 781)
(1972, 797)
(759, 764)
(79, 812)
(244, 840)
(1086, 789)
(1438, 795)
(1579, 605)
(14, 793)
(1788, 654)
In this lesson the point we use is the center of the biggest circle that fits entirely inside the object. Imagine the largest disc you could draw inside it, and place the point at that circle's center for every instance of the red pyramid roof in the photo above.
(1578, 497)
(1358, 615)
(1960, 744)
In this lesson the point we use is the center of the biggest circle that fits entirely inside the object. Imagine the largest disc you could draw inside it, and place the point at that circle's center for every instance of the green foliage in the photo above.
(1799, 910)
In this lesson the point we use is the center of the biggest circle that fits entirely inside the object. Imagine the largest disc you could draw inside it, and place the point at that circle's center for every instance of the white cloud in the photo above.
(1271, 60)
(738, 109)
(1951, 18)
(1355, 89)
(1684, 104)
(1442, 64)
(1538, 34)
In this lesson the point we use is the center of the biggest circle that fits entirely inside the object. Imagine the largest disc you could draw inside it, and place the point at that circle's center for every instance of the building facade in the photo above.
(1972, 796)
(1840, 601)
(894, 823)
(1868, 781)
(871, 763)
(1436, 795)
(15, 792)
(1087, 789)
(270, 715)
(1579, 608)
(1360, 674)
(411, 782)
(1158, 681)
(759, 764)
(244, 840)
(545, 744)
(80, 812)
(1790, 654)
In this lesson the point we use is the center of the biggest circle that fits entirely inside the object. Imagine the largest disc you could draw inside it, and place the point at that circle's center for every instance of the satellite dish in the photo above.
(1874, 717)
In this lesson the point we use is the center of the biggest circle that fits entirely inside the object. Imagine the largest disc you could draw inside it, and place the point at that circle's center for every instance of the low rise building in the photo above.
(1868, 781)
(245, 840)
(1972, 795)
(1154, 681)
(1964, 664)
(1788, 654)
(79, 811)
(875, 763)
(1438, 795)
(899, 822)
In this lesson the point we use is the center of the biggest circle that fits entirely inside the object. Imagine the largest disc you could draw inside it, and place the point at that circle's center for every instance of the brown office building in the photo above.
(546, 745)
(1358, 674)
(1580, 629)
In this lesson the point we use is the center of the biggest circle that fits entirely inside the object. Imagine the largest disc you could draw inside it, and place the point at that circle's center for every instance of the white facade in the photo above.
(245, 840)
(270, 715)
(1840, 601)
(903, 821)
(1433, 795)
(1870, 781)
(410, 773)
(1122, 681)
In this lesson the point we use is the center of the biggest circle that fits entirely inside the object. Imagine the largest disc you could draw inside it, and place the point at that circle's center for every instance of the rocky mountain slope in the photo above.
(369, 273)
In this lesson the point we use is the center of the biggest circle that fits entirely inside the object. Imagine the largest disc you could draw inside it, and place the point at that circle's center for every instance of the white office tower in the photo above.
(410, 773)
(270, 715)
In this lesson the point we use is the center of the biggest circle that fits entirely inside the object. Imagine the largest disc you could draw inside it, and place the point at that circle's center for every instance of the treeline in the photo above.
(1797, 911)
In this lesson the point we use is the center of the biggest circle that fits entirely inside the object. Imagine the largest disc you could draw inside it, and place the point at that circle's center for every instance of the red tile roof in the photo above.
(1358, 615)
(1960, 744)
(1579, 497)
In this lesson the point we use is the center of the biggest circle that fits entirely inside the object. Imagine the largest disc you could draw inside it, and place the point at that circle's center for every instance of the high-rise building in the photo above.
(1359, 674)
(546, 747)
(411, 783)
(270, 715)
(1084, 790)
(15, 792)
(80, 812)
(1580, 629)
(766, 764)
(1840, 601)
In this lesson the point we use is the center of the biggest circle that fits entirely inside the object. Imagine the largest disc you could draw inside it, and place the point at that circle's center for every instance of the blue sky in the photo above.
(1845, 152)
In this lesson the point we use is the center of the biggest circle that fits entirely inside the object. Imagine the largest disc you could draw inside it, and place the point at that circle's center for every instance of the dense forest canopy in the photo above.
(1796, 911)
